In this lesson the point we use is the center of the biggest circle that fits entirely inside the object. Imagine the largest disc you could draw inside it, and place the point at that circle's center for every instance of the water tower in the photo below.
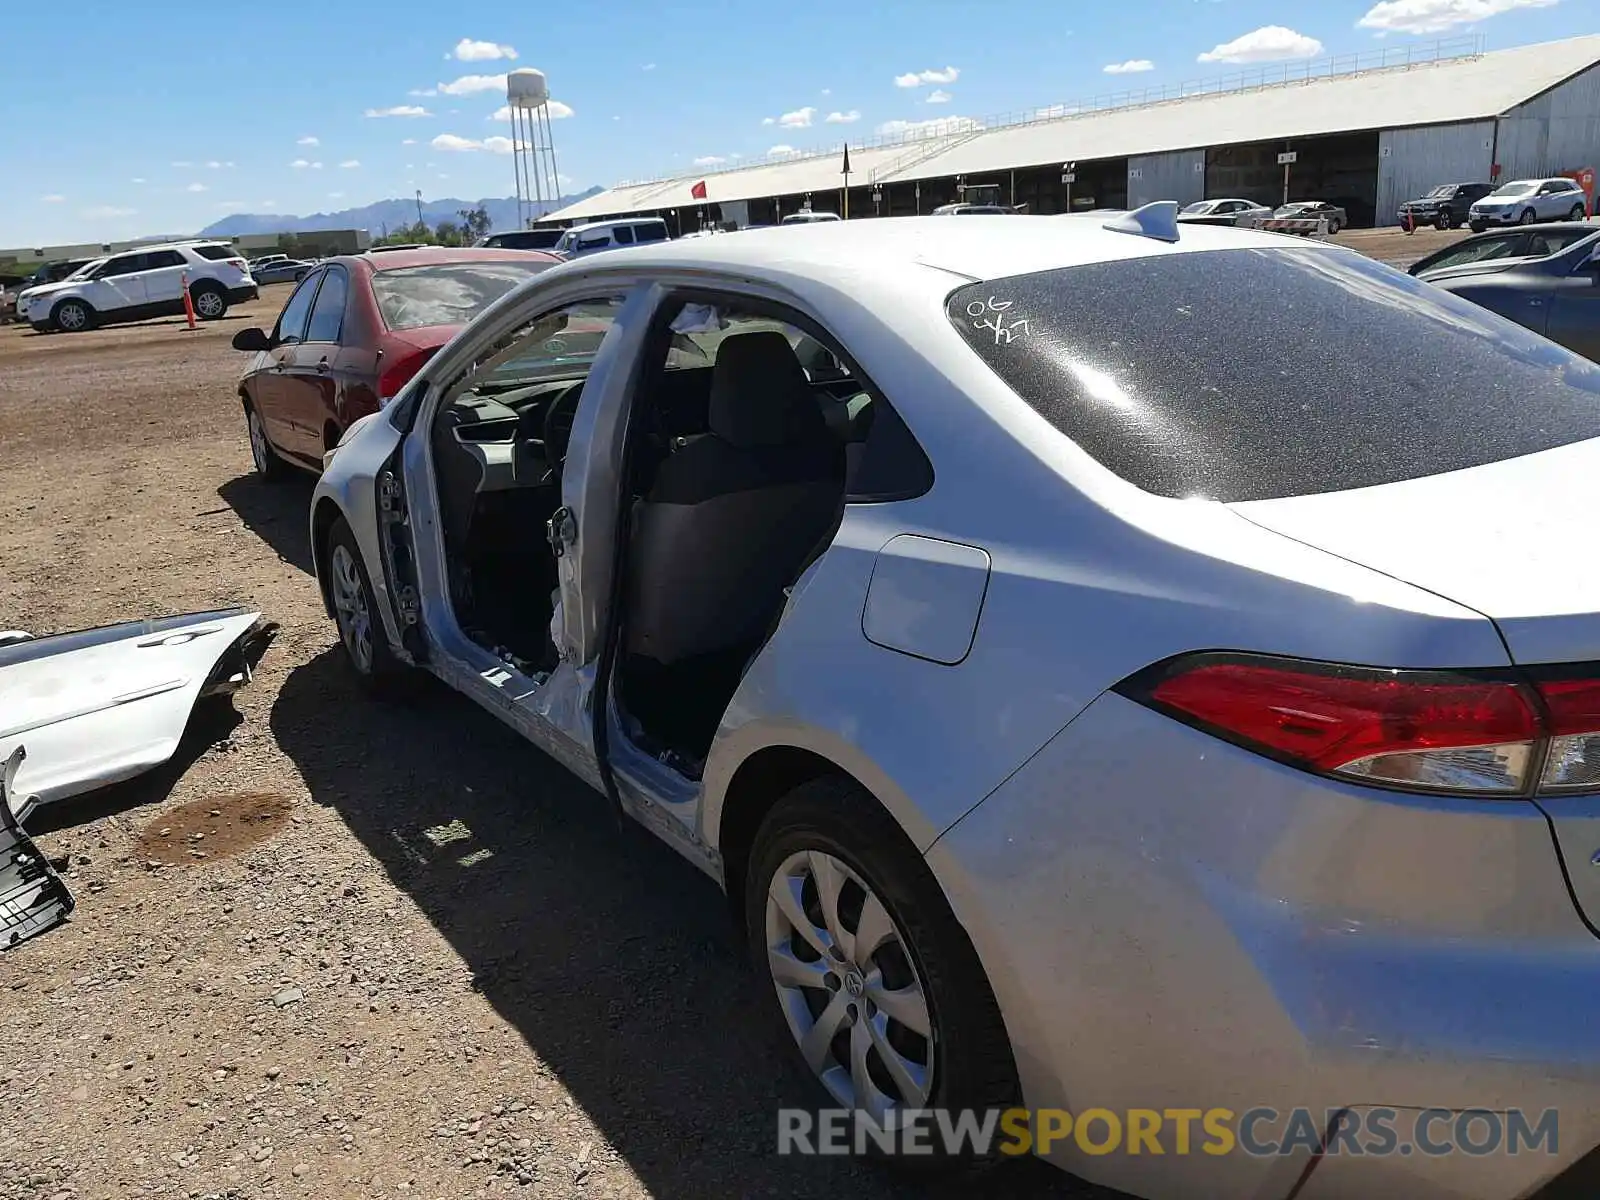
(533, 148)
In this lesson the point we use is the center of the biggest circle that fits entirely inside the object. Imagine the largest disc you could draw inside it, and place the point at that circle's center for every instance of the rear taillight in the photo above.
(238, 262)
(400, 372)
(1424, 730)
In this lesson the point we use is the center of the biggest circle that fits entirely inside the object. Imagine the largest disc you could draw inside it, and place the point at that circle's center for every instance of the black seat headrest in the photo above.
(760, 395)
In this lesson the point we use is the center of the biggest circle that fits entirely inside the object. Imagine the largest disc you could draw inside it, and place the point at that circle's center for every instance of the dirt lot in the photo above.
(339, 949)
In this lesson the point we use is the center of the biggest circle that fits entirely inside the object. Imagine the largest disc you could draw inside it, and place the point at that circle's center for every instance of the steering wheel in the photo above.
(558, 419)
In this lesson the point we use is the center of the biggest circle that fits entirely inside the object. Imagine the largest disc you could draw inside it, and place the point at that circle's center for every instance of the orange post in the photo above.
(188, 304)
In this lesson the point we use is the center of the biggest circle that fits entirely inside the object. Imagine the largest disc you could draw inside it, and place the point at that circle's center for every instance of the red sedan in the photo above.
(352, 334)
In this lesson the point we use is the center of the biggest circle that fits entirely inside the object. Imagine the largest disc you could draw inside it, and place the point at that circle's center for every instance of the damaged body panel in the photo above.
(98, 706)
(33, 899)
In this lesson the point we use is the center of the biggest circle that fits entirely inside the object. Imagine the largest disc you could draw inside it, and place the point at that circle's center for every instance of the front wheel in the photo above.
(876, 983)
(1446, 220)
(355, 611)
(266, 460)
(1477, 226)
(1528, 217)
(1578, 213)
(72, 316)
(1333, 227)
(210, 303)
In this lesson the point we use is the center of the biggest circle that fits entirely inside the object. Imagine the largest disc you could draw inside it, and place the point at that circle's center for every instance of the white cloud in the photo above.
(935, 127)
(449, 141)
(1132, 67)
(1267, 44)
(843, 118)
(764, 120)
(913, 79)
(400, 110)
(301, 164)
(408, 141)
(335, 195)
(196, 187)
(470, 85)
(938, 96)
(705, 160)
(101, 212)
(782, 151)
(1436, 16)
(827, 91)
(800, 118)
(468, 50)
(138, 179)
(1055, 110)
(499, 145)
(563, 179)
(268, 204)
(308, 140)
(54, 198)
(350, 163)
(558, 111)
(423, 92)
(648, 67)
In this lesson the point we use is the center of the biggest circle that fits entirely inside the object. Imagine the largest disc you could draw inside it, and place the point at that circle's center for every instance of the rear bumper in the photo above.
(1170, 922)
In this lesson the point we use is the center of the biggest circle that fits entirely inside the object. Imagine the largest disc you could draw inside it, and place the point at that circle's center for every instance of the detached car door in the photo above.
(33, 899)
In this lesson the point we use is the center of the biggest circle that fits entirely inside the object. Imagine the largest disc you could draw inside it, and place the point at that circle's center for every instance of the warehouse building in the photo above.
(1368, 132)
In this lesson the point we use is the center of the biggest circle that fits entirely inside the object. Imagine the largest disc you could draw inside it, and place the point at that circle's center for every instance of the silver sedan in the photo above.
(1092, 693)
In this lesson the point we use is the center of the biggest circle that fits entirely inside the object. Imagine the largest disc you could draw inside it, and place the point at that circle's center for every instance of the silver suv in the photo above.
(1524, 201)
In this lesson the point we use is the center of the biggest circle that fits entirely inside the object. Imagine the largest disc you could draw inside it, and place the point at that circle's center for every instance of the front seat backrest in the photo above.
(732, 516)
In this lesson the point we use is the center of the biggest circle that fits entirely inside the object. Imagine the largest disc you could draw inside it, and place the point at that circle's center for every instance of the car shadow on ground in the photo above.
(612, 957)
(278, 511)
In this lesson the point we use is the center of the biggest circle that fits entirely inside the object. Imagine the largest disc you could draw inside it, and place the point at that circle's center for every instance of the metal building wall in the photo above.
(1179, 175)
(1553, 133)
(1411, 161)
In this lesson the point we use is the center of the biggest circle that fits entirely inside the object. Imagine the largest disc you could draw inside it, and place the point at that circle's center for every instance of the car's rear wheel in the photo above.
(72, 316)
(355, 611)
(1578, 213)
(1477, 226)
(268, 463)
(1445, 220)
(1334, 226)
(210, 302)
(1528, 217)
(876, 982)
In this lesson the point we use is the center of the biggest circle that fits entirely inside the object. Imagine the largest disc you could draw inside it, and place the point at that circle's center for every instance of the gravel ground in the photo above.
(336, 949)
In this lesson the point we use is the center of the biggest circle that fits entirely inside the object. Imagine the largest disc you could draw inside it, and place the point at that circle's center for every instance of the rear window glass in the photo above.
(1253, 374)
(216, 253)
(446, 293)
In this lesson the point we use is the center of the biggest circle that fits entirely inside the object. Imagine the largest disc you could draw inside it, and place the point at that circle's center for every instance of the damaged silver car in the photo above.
(82, 710)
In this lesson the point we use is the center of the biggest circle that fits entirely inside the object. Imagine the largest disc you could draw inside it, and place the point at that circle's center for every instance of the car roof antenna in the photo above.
(1158, 220)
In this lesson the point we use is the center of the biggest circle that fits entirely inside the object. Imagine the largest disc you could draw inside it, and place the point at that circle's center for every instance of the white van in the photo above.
(607, 235)
(807, 217)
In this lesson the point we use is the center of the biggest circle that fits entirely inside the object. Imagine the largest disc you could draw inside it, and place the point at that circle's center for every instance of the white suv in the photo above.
(147, 282)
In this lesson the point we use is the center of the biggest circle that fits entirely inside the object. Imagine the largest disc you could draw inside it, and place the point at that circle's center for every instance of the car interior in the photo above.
(745, 431)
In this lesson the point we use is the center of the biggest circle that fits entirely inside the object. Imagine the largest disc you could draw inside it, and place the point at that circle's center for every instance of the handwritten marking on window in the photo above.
(991, 315)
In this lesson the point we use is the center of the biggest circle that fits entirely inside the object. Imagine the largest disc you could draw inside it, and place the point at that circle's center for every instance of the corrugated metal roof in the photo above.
(1449, 90)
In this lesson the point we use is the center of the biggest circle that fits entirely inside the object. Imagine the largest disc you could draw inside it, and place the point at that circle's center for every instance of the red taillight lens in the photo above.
(1427, 730)
(400, 372)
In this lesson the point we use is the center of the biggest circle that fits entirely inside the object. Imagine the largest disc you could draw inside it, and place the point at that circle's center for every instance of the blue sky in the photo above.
(130, 117)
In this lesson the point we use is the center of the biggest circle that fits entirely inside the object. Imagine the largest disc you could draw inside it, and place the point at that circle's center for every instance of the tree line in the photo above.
(473, 223)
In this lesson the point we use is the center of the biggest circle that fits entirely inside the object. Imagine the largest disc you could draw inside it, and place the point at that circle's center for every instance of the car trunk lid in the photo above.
(1511, 540)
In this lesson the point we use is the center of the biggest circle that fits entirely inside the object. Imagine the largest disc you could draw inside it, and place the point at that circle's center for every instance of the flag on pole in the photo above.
(698, 191)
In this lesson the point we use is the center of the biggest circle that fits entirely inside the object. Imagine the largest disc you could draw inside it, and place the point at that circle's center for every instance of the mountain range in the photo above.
(382, 215)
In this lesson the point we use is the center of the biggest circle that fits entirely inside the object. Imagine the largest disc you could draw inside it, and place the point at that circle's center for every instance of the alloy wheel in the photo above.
(72, 317)
(209, 304)
(260, 453)
(350, 609)
(849, 987)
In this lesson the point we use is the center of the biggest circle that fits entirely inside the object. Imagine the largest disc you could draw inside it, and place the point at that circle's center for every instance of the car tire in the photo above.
(72, 316)
(832, 829)
(1476, 226)
(1528, 217)
(1333, 227)
(210, 301)
(1578, 213)
(268, 463)
(1445, 221)
(361, 632)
